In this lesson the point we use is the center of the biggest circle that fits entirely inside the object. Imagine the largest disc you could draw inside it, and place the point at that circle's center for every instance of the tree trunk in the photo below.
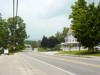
(79, 48)
(92, 49)
(79, 45)
(69, 48)
(89, 49)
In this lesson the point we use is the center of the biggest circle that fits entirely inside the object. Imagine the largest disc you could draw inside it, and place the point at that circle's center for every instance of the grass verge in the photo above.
(97, 53)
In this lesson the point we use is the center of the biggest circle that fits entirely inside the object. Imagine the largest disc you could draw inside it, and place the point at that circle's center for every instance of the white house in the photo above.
(71, 42)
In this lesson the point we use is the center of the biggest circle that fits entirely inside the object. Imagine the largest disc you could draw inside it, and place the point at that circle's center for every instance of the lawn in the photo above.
(82, 52)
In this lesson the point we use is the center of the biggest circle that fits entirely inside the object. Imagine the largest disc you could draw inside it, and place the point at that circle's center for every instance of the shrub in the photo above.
(56, 48)
(41, 49)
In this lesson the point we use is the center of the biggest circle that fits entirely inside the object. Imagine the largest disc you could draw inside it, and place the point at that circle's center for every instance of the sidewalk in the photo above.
(17, 65)
(10, 65)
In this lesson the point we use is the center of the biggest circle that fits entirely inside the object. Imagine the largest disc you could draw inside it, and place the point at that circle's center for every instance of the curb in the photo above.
(85, 56)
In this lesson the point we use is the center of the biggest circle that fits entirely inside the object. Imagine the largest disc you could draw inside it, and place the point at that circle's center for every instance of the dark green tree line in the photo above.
(44, 42)
(54, 41)
(49, 42)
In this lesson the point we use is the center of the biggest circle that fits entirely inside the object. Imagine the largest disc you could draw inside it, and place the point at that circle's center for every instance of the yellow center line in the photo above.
(77, 62)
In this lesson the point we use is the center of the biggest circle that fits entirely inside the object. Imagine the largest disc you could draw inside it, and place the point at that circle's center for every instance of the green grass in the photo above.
(83, 52)
(42, 49)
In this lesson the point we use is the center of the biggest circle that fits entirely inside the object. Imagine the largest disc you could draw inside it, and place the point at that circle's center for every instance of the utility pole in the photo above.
(15, 22)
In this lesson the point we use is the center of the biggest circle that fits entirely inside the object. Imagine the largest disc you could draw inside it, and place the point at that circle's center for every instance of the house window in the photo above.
(73, 40)
(66, 40)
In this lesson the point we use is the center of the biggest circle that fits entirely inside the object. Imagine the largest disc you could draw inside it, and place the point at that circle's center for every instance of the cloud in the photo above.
(45, 17)
(42, 17)
(6, 8)
(48, 27)
(52, 8)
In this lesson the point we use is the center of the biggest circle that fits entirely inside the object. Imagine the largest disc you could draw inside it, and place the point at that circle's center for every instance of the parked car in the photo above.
(97, 48)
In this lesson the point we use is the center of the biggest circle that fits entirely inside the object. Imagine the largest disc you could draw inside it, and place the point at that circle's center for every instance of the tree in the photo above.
(34, 44)
(97, 28)
(17, 32)
(65, 30)
(78, 16)
(61, 35)
(57, 47)
(86, 24)
(4, 33)
(91, 31)
(52, 41)
(44, 42)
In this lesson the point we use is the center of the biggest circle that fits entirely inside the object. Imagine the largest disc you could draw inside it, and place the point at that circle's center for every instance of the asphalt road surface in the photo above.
(34, 63)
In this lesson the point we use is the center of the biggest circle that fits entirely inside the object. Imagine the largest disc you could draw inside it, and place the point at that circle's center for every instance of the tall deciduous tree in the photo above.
(91, 32)
(98, 22)
(17, 31)
(78, 17)
(84, 24)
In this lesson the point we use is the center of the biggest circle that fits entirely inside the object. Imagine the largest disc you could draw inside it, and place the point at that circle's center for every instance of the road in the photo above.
(34, 63)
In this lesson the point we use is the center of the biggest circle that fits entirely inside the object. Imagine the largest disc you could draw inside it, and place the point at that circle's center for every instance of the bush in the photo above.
(13, 49)
(41, 49)
(56, 48)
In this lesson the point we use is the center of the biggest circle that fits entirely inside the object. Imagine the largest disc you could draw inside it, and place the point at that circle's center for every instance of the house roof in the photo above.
(70, 31)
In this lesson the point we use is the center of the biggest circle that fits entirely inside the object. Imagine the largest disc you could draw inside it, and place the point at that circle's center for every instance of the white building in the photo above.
(71, 42)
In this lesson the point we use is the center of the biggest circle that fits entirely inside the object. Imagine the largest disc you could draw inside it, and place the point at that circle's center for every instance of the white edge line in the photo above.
(51, 65)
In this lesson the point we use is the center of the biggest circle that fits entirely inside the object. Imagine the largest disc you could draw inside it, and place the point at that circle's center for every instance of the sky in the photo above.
(42, 17)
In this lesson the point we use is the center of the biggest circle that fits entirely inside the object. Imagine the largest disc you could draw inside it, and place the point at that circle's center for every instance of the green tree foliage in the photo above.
(34, 44)
(49, 42)
(12, 33)
(91, 32)
(4, 33)
(61, 35)
(97, 28)
(57, 47)
(17, 32)
(28, 42)
(65, 30)
(44, 42)
(85, 23)
(52, 41)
